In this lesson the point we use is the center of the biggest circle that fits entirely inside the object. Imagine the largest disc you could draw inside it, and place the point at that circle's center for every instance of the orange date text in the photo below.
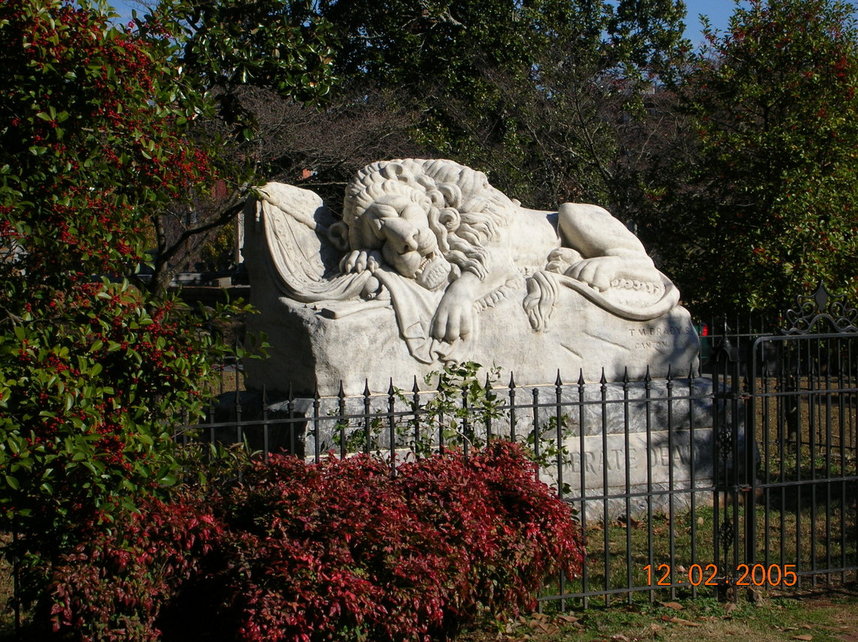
(711, 575)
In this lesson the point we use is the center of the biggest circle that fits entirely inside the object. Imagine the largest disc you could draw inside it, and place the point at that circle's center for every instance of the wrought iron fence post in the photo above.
(266, 442)
(239, 426)
(16, 581)
(748, 480)
(290, 414)
(558, 418)
(465, 426)
(512, 416)
(671, 485)
(415, 411)
(582, 468)
(724, 460)
(391, 421)
(537, 432)
(649, 481)
(367, 423)
(341, 419)
(628, 481)
(317, 456)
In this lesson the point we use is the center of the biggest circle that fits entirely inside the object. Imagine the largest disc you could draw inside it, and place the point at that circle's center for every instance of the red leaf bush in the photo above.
(340, 550)
(113, 586)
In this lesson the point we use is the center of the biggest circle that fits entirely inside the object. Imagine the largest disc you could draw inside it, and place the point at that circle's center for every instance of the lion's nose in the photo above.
(402, 234)
(409, 243)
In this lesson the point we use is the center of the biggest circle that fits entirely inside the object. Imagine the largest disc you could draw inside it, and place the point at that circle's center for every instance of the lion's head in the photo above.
(424, 215)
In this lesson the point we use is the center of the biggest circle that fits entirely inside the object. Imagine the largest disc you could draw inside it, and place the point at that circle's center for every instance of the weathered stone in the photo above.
(596, 442)
(431, 265)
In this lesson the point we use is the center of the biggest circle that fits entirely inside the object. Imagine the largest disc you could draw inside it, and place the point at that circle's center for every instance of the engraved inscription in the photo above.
(659, 331)
(666, 457)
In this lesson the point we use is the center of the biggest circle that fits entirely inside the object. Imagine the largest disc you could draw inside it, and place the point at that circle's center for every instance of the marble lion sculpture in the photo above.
(453, 258)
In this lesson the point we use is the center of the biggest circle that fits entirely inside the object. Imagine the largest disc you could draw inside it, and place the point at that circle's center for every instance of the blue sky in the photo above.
(718, 12)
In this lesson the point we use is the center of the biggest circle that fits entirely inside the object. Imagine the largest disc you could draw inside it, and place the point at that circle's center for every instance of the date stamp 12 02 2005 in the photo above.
(710, 575)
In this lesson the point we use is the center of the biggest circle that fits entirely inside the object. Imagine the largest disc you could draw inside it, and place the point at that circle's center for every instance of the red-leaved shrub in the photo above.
(341, 550)
(113, 586)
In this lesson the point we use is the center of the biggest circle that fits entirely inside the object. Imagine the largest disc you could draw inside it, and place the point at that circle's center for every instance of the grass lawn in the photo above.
(820, 616)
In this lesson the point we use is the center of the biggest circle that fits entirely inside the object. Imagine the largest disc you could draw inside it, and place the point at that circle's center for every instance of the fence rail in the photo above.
(739, 474)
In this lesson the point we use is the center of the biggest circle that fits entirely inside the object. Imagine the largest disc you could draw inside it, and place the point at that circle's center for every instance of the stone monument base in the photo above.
(653, 443)
(316, 346)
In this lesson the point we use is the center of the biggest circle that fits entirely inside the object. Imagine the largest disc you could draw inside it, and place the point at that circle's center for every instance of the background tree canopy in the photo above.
(733, 163)
(763, 205)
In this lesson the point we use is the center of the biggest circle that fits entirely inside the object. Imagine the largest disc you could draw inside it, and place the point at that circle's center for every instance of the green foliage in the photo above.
(645, 37)
(266, 43)
(548, 445)
(94, 373)
(769, 202)
(438, 40)
(516, 89)
(449, 47)
(459, 410)
(461, 402)
(226, 46)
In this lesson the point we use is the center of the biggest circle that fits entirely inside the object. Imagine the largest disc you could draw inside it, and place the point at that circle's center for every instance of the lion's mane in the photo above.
(465, 212)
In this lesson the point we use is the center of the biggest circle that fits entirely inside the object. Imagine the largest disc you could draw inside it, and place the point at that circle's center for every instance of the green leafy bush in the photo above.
(94, 373)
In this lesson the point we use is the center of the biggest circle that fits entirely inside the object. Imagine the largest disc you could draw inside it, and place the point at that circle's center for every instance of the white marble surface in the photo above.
(429, 264)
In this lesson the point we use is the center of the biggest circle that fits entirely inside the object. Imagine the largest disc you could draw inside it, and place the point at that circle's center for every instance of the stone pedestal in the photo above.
(318, 345)
(653, 443)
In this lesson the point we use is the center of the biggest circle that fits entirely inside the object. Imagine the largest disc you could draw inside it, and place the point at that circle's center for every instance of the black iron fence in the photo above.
(740, 474)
